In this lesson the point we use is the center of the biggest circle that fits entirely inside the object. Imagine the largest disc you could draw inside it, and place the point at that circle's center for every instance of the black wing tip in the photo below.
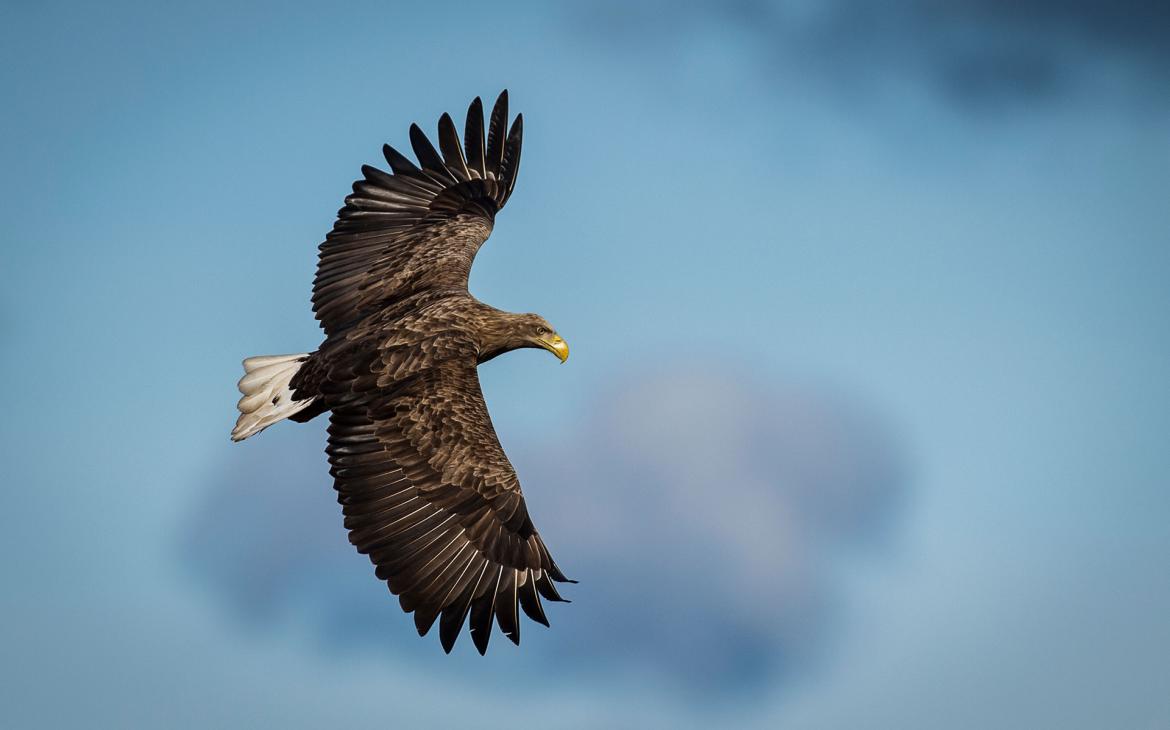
(400, 164)
(507, 616)
(448, 642)
(515, 138)
(481, 638)
(496, 133)
(516, 133)
(530, 602)
(418, 138)
(424, 621)
(500, 108)
(475, 112)
(494, 154)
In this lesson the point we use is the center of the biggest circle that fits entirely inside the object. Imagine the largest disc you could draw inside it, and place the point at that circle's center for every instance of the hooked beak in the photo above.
(557, 346)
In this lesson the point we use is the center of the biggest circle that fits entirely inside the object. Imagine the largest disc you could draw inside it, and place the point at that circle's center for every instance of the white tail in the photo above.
(267, 397)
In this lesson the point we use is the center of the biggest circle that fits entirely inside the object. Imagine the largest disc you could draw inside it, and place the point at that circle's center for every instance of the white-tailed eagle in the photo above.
(427, 492)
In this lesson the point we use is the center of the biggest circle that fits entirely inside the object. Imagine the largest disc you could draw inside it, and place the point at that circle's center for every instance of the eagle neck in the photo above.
(497, 332)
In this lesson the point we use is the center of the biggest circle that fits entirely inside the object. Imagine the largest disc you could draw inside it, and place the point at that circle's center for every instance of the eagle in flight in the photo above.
(426, 489)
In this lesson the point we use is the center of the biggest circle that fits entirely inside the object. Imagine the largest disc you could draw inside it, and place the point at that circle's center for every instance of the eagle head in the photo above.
(501, 332)
(535, 331)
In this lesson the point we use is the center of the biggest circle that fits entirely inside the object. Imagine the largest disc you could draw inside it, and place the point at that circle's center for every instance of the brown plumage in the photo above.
(426, 489)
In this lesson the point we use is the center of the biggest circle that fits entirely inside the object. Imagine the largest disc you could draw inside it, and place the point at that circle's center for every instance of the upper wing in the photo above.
(429, 495)
(417, 227)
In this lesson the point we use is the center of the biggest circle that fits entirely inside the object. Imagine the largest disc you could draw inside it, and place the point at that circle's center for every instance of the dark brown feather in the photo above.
(418, 227)
(483, 608)
(510, 165)
(428, 156)
(429, 495)
(530, 602)
(495, 137)
(400, 163)
(507, 616)
(452, 152)
(425, 488)
(473, 139)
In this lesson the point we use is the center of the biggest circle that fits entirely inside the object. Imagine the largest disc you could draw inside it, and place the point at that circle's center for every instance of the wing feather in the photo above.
(483, 608)
(530, 602)
(507, 617)
(473, 139)
(419, 226)
(510, 164)
(429, 495)
(495, 137)
(455, 612)
(452, 152)
(429, 157)
(401, 164)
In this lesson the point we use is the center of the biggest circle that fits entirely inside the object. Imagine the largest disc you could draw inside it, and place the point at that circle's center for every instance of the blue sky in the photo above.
(865, 422)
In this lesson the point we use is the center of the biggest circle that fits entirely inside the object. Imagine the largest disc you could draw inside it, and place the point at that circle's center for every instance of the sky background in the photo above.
(866, 422)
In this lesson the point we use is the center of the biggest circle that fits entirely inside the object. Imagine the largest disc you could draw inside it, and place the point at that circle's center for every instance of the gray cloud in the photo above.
(702, 512)
(974, 52)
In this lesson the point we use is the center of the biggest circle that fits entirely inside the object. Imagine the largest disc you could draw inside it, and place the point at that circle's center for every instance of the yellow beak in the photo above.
(557, 346)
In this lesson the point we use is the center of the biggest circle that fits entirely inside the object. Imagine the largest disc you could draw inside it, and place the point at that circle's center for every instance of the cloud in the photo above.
(975, 53)
(703, 513)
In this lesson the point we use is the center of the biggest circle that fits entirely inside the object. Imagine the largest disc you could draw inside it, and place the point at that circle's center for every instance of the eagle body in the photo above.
(426, 490)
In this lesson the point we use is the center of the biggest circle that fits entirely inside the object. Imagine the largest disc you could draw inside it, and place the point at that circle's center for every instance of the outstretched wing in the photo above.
(419, 226)
(429, 495)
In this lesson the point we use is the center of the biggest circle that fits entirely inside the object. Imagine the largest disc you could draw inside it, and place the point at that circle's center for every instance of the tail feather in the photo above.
(267, 397)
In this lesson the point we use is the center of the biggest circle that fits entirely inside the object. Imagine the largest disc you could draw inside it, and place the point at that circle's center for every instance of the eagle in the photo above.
(426, 490)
